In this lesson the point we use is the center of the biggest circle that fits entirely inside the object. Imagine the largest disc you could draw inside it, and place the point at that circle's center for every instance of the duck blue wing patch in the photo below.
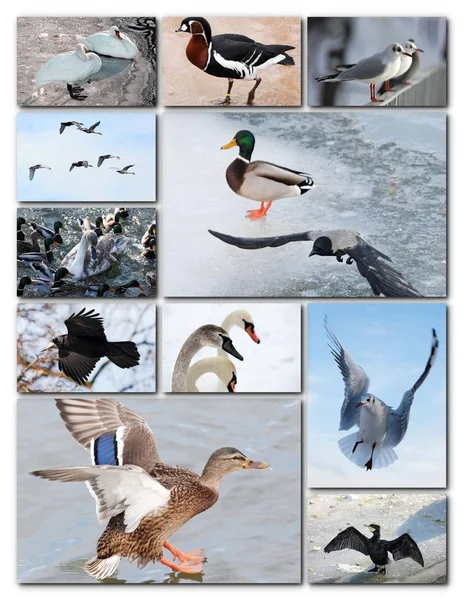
(105, 450)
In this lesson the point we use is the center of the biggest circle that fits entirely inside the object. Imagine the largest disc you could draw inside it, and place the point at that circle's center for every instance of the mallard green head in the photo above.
(98, 222)
(58, 225)
(20, 221)
(117, 228)
(23, 282)
(103, 288)
(245, 140)
(132, 284)
(62, 273)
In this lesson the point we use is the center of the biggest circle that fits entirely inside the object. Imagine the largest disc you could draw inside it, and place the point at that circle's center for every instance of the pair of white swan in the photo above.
(78, 65)
(185, 375)
(94, 255)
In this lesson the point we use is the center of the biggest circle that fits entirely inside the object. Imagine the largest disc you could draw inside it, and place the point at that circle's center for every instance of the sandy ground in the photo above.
(185, 85)
(119, 82)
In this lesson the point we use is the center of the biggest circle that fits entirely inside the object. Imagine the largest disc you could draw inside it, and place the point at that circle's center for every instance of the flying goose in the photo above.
(33, 169)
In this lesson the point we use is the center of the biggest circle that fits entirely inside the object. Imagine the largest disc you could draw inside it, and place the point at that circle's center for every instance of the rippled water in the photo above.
(382, 174)
(130, 265)
(252, 534)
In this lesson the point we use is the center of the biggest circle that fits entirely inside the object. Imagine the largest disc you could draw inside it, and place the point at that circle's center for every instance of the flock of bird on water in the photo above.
(101, 245)
(83, 163)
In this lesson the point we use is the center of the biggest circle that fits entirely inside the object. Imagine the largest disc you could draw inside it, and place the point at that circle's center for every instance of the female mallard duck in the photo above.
(149, 234)
(40, 256)
(231, 55)
(54, 233)
(141, 500)
(23, 246)
(262, 181)
(94, 255)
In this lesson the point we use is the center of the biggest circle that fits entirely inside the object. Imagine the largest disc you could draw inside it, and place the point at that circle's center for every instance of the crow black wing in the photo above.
(405, 547)
(381, 276)
(86, 324)
(349, 538)
(264, 242)
(76, 366)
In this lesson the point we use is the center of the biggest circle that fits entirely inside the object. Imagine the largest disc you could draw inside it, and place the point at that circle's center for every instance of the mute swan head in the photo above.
(115, 31)
(241, 318)
(227, 460)
(216, 337)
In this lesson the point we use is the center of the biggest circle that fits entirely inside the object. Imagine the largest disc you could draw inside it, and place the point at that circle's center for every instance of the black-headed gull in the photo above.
(379, 67)
(408, 68)
(371, 263)
(380, 427)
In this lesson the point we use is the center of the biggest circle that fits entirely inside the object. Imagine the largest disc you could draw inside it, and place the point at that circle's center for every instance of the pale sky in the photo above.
(130, 135)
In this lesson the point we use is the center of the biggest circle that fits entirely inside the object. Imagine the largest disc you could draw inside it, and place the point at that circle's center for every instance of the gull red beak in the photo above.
(407, 54)
(418, 50)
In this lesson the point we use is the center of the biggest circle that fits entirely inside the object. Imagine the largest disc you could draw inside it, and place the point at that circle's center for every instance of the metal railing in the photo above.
(429, 89)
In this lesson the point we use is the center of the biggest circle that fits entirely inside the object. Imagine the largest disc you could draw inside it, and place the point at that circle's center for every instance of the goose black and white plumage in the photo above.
(229, 55)
(34, 168)
(80, 163)
(90, 129)
(259, 180)
(69, 124)
(104, 157)
(371, 263)
(377, 549)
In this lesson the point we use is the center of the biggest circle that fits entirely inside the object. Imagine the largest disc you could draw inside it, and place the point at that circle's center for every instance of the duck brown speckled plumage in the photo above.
(140, 499)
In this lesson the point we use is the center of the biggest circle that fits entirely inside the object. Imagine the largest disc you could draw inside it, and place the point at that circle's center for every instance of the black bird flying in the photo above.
(377, 549)
(84, 345)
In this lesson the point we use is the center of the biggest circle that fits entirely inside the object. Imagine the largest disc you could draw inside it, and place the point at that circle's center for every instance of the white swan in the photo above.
(111, 43)
(219, 365)
(207, 335)
(69, 68)
(243, 320)
(94, 255)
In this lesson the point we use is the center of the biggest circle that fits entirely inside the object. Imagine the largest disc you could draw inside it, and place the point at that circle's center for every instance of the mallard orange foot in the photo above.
(195, 556)
(260, 212)
(182, 567)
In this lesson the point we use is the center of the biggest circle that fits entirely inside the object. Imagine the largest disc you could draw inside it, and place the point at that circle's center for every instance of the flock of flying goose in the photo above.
(98, 250)
(84, 163)
(186, 375)
(266, 182)
(83, 62)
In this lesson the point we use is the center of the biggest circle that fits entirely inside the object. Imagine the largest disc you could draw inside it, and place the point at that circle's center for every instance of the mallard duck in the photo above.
(54, 233)
(40, 256)
(125, 286)
(150, 251)
(262, 181)
(20, 221)
(23, 246)
(86, 225)
(148, 235)
(110, 220)
(231, 55)
(72, 288)
(127, 469)
(124, 212)
(23, 282)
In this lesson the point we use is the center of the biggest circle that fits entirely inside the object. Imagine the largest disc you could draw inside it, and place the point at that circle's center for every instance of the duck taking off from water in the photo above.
(34, 168)
(141, 500)
(377, 549)
(380, 427)
(111, 43)
(259, 180)
(69, 68)
(230, 55)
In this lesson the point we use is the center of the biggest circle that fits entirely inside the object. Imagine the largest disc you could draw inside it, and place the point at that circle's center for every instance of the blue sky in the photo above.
(130, 135)
(391, 342)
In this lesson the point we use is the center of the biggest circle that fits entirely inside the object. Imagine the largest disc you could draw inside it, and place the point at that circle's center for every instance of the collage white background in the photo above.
(454, 12)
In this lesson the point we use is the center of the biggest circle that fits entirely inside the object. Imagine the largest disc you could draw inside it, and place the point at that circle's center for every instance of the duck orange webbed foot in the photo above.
(194, 556)
(260, 212)
(182, 567)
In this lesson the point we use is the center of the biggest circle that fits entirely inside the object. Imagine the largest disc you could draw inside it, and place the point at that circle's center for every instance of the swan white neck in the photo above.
(77, 266)
(222, 367)
(234, 319)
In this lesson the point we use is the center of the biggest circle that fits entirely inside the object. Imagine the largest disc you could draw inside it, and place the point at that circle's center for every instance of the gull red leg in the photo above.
(373, 97)
(388, 86)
